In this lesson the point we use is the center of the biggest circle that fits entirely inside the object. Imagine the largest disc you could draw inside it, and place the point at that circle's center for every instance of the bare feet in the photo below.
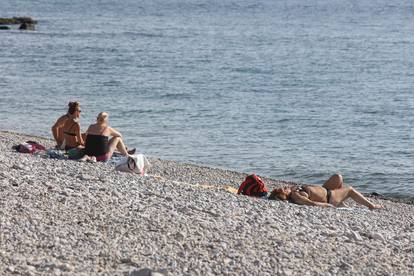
(88, 158)
(132, 151)
(84, 158)
(342, 205)
(375, 206)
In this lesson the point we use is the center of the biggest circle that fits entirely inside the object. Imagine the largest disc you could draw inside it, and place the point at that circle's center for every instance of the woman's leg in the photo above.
(116, 143)
(339, 195)
(334, 182)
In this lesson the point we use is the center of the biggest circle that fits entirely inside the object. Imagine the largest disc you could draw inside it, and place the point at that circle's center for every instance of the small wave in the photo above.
(152, 111)
(112, 83)
(203, 60)
(318, 176)
(370, 111)
(96, 34)
(377, 174)
(249, 70)
(283, 120)
(364, 124)
(143, 34)
(176, 96)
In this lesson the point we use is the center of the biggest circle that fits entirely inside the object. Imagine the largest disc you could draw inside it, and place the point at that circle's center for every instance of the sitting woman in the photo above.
(331, 194)
(98, 145)
(66, 130)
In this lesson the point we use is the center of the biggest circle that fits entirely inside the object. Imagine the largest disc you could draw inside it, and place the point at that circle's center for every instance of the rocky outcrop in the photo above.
(27, 26)
(17, 20)
(26, 23)
(7, 21)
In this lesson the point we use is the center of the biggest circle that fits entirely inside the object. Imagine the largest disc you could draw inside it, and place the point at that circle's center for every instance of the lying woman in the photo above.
(332, 194)
(99, 146)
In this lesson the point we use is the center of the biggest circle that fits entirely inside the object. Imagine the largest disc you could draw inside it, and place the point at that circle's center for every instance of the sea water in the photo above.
(296, 90)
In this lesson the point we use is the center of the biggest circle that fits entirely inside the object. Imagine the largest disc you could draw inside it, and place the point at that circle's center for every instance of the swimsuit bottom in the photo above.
(67, 148)
(102, 158)
(328, 195)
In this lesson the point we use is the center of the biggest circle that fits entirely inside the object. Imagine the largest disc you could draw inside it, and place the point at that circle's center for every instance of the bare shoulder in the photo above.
(93, 129)
(92, 126)
(114, 132)
(63, 117)
(77, 125)
(62, 120)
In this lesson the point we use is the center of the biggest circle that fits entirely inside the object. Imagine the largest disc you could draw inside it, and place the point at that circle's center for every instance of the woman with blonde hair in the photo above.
(99, 146)
(66, 130)
(332, 194)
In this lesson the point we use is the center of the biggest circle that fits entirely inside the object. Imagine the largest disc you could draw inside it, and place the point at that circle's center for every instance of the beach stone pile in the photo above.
(67, 217)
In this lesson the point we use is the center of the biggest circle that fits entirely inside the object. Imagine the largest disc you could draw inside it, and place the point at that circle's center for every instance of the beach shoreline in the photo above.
(68, 217)
(274, 182)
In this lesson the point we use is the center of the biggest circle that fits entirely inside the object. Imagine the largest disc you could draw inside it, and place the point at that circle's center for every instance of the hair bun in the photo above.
(73, 106)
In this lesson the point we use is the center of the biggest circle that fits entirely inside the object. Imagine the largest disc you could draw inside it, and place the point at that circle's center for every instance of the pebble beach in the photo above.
(63, 217)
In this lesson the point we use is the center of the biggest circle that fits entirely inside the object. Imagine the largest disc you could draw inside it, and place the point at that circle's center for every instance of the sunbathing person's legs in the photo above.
(116, 143)
(334, 182)
(339, 195)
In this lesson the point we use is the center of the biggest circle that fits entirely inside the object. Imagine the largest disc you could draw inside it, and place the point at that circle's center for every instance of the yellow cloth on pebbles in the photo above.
(226, 188)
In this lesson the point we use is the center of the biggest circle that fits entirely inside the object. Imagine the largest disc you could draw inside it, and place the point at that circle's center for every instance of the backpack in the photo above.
(136, 163)
(127, 164)
(253, 185)
(29, 147)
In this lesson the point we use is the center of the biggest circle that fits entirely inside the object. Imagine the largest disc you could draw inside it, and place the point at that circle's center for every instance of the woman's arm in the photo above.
(55, 128)
(115, 133)
(302, 200)
(88, 130)
(79, 135)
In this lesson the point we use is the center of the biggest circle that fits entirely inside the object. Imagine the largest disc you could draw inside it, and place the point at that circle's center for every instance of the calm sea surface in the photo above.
(295, 89)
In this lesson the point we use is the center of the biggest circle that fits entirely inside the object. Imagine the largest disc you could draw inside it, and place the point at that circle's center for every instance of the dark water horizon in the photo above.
(293, 90)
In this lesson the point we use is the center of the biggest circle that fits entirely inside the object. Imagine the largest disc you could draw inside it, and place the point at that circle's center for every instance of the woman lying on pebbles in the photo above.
(331, 194)
(98, 145)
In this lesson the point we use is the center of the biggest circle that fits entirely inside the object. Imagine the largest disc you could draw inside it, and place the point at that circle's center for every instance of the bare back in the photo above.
(115, 142)
(57, 128)
(99, 129)
(71, 133)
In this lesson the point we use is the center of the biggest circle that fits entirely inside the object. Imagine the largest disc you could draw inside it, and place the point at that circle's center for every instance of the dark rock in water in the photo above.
(27, 26)
(17, 20)
(7, 21)
(4, 28)
(25, 19)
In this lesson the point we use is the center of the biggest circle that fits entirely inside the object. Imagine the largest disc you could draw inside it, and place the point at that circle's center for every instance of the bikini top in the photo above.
(70, 133)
